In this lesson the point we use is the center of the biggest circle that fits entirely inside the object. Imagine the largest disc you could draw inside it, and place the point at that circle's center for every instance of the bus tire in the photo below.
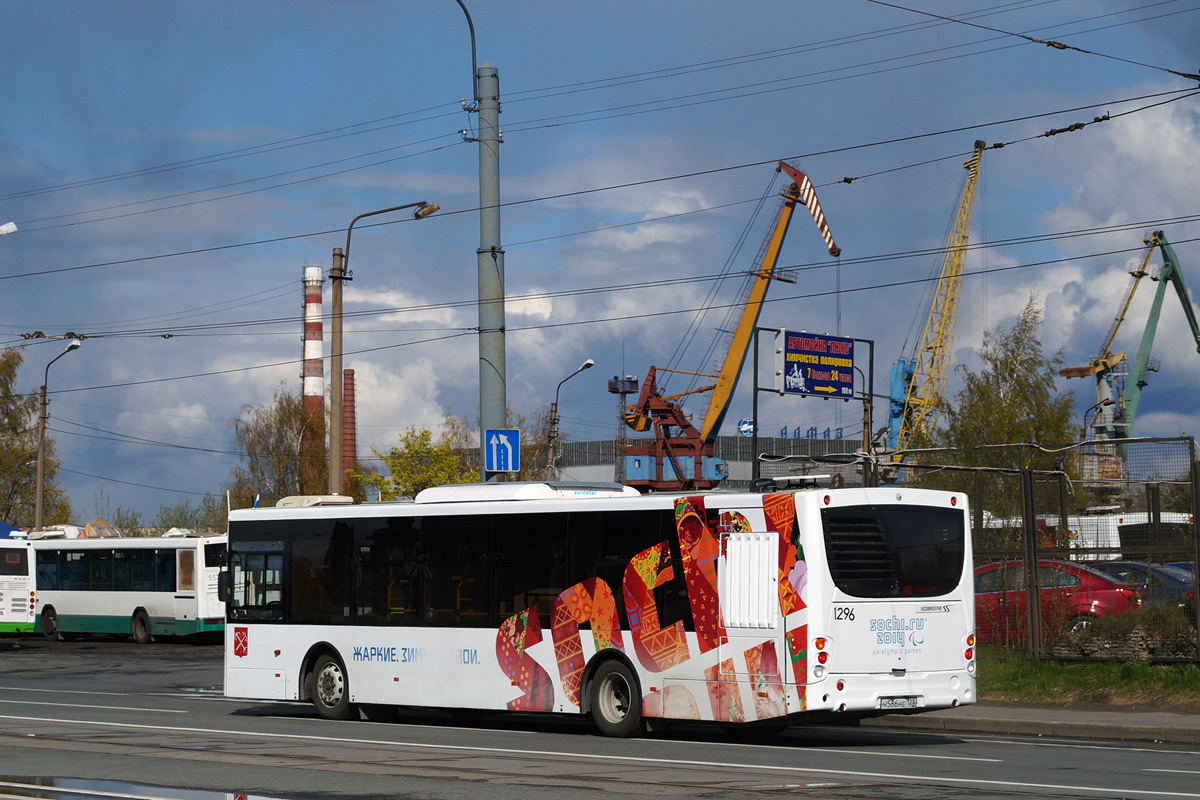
(139, 627)
(331, 689)
(50, 624)
(615, 700)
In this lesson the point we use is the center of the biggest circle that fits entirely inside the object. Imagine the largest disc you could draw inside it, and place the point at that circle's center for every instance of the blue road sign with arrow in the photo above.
(502, 451)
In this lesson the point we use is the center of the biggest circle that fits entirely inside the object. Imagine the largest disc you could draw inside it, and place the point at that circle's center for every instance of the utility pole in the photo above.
(337, 274)
(493, 405)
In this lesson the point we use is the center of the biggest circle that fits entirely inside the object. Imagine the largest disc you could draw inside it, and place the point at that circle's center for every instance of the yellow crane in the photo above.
(919, 382)
(680, 456)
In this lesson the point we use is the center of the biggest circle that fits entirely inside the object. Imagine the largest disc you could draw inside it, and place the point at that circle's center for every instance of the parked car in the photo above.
(1072, 596)
(1156, 583)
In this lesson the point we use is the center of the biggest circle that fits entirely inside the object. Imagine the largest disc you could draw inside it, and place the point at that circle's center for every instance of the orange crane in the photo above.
(680, 456)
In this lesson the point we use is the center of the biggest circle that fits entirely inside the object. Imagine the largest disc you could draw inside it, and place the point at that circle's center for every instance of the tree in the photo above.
(284, 451)
(417, 463)
(18, 455)
(1008, 416)
(420, 461)
(1012, 400)
(208, 515)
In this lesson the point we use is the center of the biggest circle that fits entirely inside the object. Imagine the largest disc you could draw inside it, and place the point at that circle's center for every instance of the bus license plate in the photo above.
(897, 702)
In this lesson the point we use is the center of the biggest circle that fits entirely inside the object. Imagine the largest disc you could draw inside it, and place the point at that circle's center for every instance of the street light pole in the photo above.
(340, 272)
(554, 418)
(493, 405)
(41, 453)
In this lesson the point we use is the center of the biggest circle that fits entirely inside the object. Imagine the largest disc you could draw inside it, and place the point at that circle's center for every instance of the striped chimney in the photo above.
(314, 367)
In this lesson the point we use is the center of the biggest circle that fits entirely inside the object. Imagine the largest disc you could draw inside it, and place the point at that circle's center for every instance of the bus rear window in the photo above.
(894, 551)
(14, 562)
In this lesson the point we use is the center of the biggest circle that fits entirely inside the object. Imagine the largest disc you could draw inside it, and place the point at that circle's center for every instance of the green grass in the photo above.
(1013, 678)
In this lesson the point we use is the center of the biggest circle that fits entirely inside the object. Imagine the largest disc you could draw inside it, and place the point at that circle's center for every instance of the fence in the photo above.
(1048, 520)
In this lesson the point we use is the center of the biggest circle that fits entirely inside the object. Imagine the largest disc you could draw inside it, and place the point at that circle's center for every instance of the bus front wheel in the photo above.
(140, 627)
(616, 701)
(50, 624)
(330, 689)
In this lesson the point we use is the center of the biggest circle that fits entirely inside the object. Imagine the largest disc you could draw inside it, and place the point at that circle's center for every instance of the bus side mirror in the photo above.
(224, 590)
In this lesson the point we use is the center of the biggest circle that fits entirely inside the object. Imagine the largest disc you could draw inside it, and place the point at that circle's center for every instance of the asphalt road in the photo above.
(139, 721)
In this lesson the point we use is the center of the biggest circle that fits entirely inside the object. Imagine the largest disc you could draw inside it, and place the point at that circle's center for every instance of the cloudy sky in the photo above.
(173, 166)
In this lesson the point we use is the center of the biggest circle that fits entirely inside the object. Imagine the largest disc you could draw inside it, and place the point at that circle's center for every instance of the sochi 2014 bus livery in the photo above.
(734, 608)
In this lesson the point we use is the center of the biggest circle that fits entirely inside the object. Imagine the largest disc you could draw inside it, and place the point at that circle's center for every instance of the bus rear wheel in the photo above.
(616, 701)
(140, 627)
(330, 689)
(50, 624)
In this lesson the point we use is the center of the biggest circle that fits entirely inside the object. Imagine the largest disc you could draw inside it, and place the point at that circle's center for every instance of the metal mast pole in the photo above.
(337, 274)
(493, 407)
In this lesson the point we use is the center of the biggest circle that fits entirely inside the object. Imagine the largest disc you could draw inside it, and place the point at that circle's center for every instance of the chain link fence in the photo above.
(1063, 524)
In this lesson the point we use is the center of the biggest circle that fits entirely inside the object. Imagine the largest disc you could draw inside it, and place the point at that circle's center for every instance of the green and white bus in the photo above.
(136, 586)
(16, 586)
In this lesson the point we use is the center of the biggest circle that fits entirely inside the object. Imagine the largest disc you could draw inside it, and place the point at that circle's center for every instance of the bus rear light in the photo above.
(953, 501)
(822, 657)
(819, 642)
(969, 654)
(970, 640)
(841, 686)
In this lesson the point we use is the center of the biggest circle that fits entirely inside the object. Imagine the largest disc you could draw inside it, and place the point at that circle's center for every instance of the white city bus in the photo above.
(735, 608)
(136, 586)
(16, 586)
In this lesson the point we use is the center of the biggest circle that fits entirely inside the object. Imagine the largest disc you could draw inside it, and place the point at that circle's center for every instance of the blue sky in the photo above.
(174, 165)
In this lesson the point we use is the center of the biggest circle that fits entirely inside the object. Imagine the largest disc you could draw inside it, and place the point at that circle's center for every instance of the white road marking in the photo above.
(1122, 746)
(43, 789)
(669, 762)
(1180, 771)
(62, 691)
(81, 705)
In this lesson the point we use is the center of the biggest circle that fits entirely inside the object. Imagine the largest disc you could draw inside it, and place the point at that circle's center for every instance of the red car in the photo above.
(1072, 595)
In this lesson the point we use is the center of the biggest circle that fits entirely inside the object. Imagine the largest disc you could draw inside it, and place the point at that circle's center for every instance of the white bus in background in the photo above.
(141, 587)
(735, 608)
(17, 595)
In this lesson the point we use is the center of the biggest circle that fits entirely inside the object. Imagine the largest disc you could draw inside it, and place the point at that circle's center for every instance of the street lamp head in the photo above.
(587, 365)
(75, 344)
(8, 227)
(425, 209)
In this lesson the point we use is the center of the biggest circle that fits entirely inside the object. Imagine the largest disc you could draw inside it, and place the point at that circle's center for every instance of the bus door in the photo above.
(752, 648)
(185, 575)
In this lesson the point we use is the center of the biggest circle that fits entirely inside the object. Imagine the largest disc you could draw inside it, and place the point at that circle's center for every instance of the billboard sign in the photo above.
(814, 364)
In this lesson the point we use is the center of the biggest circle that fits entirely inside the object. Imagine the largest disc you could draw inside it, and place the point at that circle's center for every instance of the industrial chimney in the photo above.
(314, 367)
(349, 423)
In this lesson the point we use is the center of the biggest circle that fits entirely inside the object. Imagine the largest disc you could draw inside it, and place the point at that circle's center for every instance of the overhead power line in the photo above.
(622, 318)
(1179, 94)
(238, 327)
(1048, 42)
